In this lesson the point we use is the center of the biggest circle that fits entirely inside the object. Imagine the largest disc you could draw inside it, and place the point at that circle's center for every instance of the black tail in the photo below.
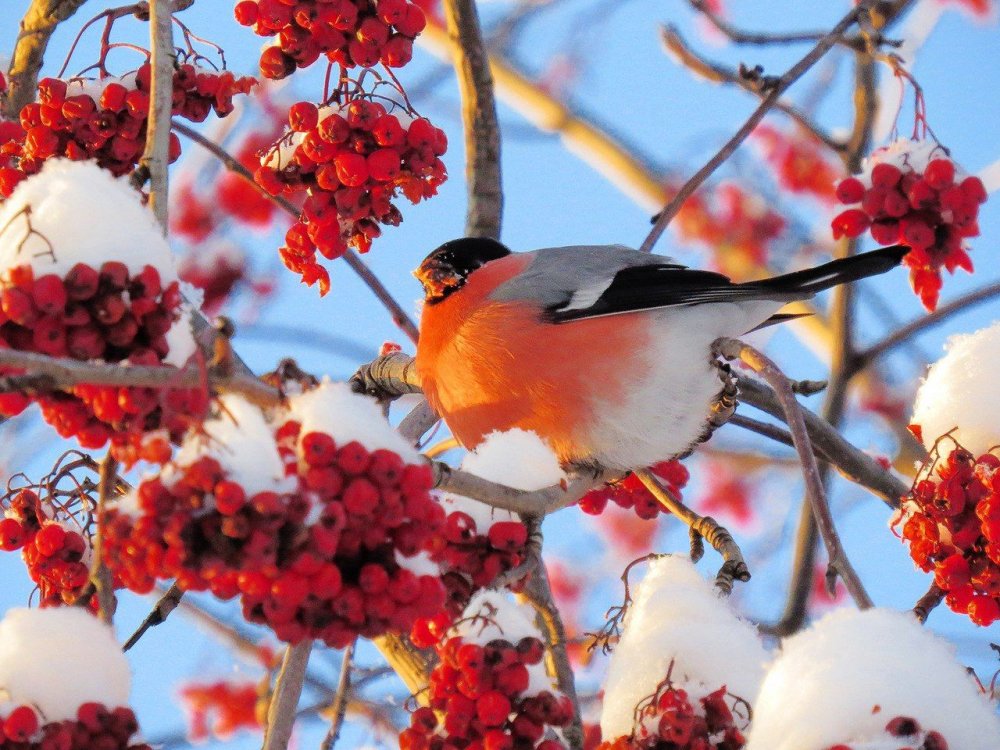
(801, 284)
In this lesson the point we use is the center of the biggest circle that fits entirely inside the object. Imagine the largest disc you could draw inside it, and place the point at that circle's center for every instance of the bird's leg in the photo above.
(387, 377)
(734, 567)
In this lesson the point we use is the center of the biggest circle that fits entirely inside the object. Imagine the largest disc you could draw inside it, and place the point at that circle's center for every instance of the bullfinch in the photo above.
(604, 351)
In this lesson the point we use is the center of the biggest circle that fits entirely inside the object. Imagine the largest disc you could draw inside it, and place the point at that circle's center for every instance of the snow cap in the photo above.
(676, 617)
(346, 416)
(846, 677)
(80, 213)
(59, 658)
(960, 391)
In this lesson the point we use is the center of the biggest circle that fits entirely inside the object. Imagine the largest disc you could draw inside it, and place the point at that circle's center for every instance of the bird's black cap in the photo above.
(447, 268)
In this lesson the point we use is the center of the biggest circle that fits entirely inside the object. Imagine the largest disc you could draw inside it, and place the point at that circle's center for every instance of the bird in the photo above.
(604, 351)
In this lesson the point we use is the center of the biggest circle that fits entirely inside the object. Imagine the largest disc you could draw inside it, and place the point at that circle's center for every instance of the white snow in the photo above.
(960, 391)
(493, 615)
(180, 338)
(335, 409)
(420, 564)
(516, 458)
(908, 156)
(58, 659)
(845, 677)
(678, 617)
(242, 441)
(87, 216)
(94, 87)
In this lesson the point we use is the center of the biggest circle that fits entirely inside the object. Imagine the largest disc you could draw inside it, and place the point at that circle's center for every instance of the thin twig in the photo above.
(928, 602)
(281, 713)
(100, 575)
(338, 707)
(734, 567)
(780, 85)
(716, 73)
(479, 116)
(166, 604)
(732, 349)
(539, 594)
(903, 334)
(399, 316)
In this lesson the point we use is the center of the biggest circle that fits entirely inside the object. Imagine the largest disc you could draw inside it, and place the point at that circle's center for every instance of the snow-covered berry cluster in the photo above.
(319, 535)
(105, 120)
(56, 553)
(631, 493)
(490, 689)
(912, 193)
(901, 733)
(109, 295)
(674, 719)
(951, 520)
(353, 160)
(348, 32)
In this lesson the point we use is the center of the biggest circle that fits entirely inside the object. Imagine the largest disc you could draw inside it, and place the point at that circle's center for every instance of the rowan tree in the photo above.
(190, 194)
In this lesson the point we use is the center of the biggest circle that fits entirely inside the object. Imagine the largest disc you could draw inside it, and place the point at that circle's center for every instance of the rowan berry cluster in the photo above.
(95, 726)
(325, 554)
(951, 520)
(349, 32)
(799, 161)
(904, 733)
(674, 720)
(56, 555)
(912, 193)
(353, 160)
(106, 314)
(105, 120)
(483, 694)
(472, 558)
(220, 709)
(631, 493)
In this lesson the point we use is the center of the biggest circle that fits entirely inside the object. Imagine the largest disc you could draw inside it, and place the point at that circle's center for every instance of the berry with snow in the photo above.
(901, 733)
(631, 493)
(912, 193)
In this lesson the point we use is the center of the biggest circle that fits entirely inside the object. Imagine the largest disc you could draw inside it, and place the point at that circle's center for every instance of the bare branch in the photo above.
(928, 602)
(732, 349)
(155, 156)
(903, 334)
(780, 85)
(338, 707)
(100, 575)
(676, 46)
(281, 713)
(479, 116)
(166, 604)
(37, 26)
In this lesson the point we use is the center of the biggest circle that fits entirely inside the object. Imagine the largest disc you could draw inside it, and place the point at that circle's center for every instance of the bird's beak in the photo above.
(436, 277)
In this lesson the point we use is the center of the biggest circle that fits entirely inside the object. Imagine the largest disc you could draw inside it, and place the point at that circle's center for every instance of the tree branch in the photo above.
(37, 26)
(338, 707)
(733, 349)
(166, 604)
(700, 66)
(479, 116)
(779, 87)
(285, 699)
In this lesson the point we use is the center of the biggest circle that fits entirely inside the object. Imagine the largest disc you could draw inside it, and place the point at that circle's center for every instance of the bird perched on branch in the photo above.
(606, 352)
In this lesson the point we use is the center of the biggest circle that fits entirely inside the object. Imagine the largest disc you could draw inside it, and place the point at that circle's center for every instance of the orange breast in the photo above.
(488, 365)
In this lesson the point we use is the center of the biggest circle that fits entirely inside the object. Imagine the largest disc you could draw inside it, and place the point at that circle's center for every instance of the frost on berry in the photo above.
(319, 518)
(871, 675)
(490, 688)
(351, 161)
(680, 643)
(105, 120)
(912, 193)
(631, 493)
(109, 294)
(951, 522)
(349, 32)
